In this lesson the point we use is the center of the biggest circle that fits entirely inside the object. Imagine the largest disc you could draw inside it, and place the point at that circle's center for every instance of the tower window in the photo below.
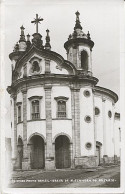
(84, 60)
(19, 114)
(35, 109)
(61, 109)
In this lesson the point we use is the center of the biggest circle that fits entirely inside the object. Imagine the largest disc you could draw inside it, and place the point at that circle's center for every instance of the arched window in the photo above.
(35, 109)
(84, 60)
(19, 114)
(61, 109)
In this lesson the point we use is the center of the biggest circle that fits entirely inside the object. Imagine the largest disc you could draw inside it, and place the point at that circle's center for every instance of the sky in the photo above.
(100, 17)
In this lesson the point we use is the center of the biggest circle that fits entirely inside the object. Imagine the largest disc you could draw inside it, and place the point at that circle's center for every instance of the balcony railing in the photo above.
(61, 114)
(35, 116)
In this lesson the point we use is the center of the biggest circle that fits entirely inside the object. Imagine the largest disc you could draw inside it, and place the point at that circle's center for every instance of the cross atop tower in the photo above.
(36, 21)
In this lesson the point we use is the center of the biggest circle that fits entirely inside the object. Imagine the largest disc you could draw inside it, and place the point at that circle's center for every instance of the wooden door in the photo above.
(62, 152)
(20, 155)
(37, 153)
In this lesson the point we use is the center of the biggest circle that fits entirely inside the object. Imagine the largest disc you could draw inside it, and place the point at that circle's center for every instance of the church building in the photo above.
(60, 118)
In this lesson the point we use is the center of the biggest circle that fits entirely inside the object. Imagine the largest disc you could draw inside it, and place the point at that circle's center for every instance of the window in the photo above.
(35, 109)
(61, 106)
(84, 60)
(19, 114)
(86, 93)
(35, 102)
(88, 119)
(61, 109)
(109, 114)
(88, 145)
(97, 111)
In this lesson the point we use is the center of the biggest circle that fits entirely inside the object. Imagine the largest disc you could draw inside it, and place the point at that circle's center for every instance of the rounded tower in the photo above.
(79, 48)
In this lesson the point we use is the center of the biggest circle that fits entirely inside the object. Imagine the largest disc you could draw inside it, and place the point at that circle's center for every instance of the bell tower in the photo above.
(79, 48)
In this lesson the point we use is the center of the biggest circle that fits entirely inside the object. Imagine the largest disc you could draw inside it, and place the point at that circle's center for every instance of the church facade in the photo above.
(60, 118)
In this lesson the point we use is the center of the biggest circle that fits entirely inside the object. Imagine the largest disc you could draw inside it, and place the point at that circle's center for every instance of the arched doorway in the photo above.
(62, 152)
(37, 152)
(20, 152)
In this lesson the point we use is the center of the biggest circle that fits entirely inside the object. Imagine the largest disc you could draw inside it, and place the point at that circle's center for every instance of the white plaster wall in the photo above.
(42, 64)
(61, 91)
(36, 127)
(57, 69)
(86, 129)
(19, 130)
(117, 137)
(61, 127)
(38, 91)
(108, 130)
(99, 121)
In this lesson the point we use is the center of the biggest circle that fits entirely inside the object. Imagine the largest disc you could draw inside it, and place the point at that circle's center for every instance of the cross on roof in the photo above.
(36, 21)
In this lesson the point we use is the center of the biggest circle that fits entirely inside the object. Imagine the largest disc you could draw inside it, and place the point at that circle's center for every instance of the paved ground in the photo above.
(102, 177)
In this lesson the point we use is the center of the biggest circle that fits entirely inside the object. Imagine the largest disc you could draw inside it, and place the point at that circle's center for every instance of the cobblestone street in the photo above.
(108, 176)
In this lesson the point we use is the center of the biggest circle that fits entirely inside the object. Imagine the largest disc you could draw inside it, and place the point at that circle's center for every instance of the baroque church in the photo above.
(60, 118)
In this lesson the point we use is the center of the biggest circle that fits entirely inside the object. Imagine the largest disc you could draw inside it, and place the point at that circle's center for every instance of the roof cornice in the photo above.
(106, 92)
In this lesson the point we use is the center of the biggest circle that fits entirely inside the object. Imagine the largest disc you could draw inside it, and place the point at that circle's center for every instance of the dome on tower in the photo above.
(78, 36)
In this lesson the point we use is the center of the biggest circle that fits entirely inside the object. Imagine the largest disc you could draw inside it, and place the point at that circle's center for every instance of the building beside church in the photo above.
(60, 118)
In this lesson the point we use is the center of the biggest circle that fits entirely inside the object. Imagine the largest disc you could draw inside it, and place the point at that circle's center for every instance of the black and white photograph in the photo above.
(62, 100)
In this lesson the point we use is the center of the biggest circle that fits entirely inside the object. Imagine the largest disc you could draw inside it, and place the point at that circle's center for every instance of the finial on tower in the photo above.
(88, 36)
(22, 36)
(37, 21)
(28, 43)
(77, 25)
(47, 45)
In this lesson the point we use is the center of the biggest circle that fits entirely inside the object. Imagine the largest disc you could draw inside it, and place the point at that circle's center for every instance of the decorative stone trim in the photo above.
(35, 60)
(18, 103)
(86, 93)
(88, 145)
(36, 120)
(35, 97)
(98, 143)
(63, 98)
(87, 119)
(61, 119)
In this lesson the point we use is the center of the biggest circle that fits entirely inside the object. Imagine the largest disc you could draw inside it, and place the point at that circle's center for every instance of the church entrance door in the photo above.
(62, 152)
(37, 153)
